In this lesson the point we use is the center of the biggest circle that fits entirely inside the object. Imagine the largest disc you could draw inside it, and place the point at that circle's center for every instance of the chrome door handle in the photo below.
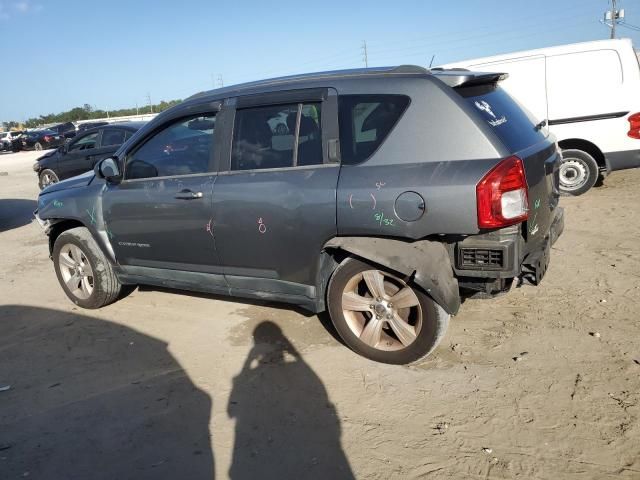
(187, 195)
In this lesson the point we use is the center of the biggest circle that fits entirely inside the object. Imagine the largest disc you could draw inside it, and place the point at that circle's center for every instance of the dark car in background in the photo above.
(82, 153)
(42, 139)
(67, 130)
(89, 125)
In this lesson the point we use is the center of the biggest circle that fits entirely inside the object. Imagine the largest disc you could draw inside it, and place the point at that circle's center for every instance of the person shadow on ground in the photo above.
(286, 427)
(84, 398)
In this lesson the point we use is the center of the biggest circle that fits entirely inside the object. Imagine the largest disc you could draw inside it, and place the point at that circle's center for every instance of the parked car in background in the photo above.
(82, 153)
(6, 138)
(588, 94)
(89, 125)
(393, 196)
(42, 139)
(67, 130)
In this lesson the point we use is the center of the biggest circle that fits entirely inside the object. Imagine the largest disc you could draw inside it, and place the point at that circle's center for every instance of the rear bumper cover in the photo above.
(516, 261)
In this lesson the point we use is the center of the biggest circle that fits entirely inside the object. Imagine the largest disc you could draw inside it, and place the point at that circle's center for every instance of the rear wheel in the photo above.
(84, 273)
(38, 146)
(47, 177)
(578, 172)
(381, 316)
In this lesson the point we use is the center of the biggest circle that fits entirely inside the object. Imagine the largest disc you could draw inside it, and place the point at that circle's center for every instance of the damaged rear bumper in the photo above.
(535, 265)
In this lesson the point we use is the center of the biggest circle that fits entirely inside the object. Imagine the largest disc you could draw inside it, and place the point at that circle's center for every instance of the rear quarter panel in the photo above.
(437, 149)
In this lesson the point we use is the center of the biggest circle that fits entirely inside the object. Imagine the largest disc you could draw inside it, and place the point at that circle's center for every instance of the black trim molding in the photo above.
(587, 118)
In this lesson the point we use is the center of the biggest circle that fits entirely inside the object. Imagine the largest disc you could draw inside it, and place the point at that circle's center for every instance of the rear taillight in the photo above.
(502, 195)
(47, 138)
(634, 126)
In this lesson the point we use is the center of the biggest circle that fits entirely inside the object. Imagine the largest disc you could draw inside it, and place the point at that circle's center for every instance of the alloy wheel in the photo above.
(76, 271)
(381, 310)
(48, 179)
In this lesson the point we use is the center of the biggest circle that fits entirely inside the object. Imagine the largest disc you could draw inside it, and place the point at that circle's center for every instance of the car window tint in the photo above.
(84, 143)
(310, 137)
(112, 137)
(182, 148)
(264, 137)
(513, 125)
(365, 122)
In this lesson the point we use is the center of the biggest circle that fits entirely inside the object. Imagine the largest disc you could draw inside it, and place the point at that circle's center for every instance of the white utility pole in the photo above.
(365, 55)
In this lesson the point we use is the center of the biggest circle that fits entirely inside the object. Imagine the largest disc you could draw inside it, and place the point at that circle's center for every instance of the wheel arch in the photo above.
(586, 146)
(59, 226)
(426, 262)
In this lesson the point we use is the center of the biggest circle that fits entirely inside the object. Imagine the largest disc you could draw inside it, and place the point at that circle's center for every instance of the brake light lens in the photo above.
(634, 126)
(47, 138)
(502, 195)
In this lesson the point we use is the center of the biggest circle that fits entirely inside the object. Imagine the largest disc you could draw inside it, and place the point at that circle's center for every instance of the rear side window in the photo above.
(365, 122)
(112, 137)
(511, 123)
(266, 137)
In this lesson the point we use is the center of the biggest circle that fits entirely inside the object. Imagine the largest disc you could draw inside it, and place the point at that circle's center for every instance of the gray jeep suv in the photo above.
(393, 192)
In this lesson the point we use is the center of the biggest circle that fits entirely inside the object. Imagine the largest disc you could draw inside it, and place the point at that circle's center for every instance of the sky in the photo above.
(115, 54)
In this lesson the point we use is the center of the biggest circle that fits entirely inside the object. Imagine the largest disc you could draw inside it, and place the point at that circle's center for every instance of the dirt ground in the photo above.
(171, 385)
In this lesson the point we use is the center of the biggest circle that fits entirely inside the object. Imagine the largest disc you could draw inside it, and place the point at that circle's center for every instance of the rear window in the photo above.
(365, 121)
(511, 123)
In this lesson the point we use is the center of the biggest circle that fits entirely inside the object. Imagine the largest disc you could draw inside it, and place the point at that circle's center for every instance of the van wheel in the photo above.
(578, 172)
(47, 177)
(84, 273)
(381, 317)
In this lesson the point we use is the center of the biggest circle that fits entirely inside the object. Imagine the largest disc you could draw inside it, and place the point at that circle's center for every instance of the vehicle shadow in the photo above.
(15, 213)
(323, 317)
(286, 427)
(93, 399)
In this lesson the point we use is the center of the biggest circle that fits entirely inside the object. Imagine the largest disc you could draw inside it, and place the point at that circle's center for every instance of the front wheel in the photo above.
(84, 273)
(578, 172)
(47, 177)
(381, 316)
(38, 146)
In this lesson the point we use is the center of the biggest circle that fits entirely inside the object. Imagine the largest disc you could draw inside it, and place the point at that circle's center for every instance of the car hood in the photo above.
(73, 182)
(50, 153)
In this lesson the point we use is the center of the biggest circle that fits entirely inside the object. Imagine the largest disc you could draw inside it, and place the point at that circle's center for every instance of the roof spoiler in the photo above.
(461, 77)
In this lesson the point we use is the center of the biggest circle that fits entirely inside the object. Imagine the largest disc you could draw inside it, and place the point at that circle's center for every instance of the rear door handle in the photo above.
(187, 194)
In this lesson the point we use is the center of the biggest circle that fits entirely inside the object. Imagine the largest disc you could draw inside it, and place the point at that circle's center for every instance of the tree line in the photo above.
(87, 112)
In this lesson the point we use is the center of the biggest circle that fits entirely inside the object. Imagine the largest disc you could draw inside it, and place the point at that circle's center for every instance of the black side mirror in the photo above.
(108, 169)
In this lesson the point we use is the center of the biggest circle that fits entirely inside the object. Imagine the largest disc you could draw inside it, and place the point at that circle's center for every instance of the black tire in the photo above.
(37, 146)
(434, 322)
(106, 287)
(47, 177)
(577, 163)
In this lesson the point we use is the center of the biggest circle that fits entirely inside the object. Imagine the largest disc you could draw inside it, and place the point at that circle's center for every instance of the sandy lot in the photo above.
(171, 385)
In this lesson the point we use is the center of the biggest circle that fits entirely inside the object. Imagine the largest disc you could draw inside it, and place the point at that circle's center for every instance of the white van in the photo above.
(589, 93)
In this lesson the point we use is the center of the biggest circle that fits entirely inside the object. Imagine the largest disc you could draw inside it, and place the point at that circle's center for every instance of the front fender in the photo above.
(74, 207)
(427, 261)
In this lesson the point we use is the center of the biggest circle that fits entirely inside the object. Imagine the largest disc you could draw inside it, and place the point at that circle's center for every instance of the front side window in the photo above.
(182, 148)
(84, 143)
(365, 122)
(266, 137)
(112, 137)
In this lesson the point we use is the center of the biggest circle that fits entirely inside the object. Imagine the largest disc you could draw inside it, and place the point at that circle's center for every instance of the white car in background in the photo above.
(6, 138)
(588, 94)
